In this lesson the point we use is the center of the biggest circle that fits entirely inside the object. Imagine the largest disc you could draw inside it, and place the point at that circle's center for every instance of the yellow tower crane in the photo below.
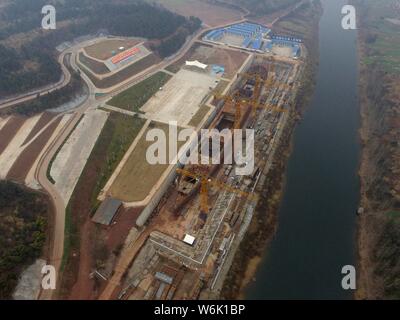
(237, 102)
(205, 182)
(259, 82)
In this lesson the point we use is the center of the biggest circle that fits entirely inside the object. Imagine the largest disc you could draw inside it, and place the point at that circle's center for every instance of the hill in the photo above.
(23, 223)
(28, 55)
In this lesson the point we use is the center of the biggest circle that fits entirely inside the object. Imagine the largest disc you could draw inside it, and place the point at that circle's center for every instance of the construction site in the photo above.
(186, 237)
(158, 231)
(256, 38)
(123, 227)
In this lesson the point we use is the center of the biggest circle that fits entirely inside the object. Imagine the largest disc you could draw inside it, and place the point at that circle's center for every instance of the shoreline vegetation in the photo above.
(378, 234)
(265, 220)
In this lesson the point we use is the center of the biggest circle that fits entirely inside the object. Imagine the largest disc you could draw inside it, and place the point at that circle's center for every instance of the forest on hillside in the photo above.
(29, 64)
(23, 223)
(75, 88)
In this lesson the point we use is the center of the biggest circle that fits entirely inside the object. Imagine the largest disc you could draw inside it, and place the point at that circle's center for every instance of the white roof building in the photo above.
(189, 239)
(197, 64)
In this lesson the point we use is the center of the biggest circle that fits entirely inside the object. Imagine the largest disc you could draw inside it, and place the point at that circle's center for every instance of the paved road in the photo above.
(9, 102)
(126, 259)
(65, 79)
(111, 91)
(57, 240)
(57, 236)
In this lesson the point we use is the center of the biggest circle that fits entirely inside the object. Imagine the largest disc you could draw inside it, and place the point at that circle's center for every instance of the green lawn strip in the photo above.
(117, 135)
(69, 241)
(199, 116)
(393, 214)
(125, 131)
(136, 96)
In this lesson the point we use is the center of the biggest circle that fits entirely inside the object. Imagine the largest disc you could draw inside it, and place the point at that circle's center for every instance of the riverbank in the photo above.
(378, 231)
(263, 226)
(317, 221)
(372, 221)
(365, 238)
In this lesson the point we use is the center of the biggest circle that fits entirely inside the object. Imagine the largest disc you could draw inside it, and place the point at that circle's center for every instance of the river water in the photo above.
(317, 221)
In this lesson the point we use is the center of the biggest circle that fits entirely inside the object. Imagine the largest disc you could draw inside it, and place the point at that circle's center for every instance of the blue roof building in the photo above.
(246, 42)
(256, 44)
(253, 35)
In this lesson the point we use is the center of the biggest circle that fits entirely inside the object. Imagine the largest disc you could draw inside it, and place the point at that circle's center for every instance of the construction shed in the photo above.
(107, 211)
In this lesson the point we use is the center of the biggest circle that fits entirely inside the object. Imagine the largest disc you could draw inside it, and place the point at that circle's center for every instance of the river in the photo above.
(317, 221)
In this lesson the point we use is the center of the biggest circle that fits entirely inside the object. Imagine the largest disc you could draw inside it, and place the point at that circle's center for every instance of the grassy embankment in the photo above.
(136, 96)
(304, 23)
(115, 138)
(138, 177)
(117, 135)
(94, 65)
(199, 116)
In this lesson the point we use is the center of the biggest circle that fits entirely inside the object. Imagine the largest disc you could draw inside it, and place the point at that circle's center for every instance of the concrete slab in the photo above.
(28, 287)
(30, 180)
(70, 161)
(180, 98)
(14, 148)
